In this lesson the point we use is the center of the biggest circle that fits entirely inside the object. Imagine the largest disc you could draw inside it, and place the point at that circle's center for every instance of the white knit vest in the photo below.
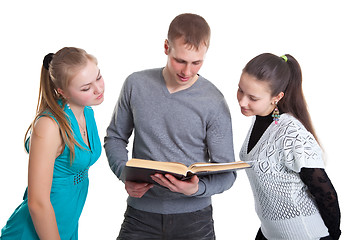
(282, 201)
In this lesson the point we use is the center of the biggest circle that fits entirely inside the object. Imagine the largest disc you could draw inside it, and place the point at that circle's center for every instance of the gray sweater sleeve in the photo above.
(219, 140)
(116, 139)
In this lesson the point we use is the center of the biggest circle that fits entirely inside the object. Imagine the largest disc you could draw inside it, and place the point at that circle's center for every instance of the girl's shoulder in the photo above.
(46, 123)
(299, 146)
(288, 121)
(291, 131)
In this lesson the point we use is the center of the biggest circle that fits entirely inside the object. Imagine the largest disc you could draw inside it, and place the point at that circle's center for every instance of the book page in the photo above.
(174, 167)
(207, 167)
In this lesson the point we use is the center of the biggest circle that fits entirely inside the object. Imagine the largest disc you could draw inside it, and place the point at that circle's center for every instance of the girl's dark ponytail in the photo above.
(293, 101)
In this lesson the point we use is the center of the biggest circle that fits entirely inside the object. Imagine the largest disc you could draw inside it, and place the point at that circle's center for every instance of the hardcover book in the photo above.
(140, 170)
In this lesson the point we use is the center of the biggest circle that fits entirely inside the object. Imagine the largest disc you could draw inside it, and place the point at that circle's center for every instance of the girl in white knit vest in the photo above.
(294, 198)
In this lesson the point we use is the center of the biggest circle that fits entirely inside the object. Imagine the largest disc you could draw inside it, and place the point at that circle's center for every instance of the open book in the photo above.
(140, 170)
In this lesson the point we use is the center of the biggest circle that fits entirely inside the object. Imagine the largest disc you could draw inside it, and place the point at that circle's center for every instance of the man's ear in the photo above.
(166, 46)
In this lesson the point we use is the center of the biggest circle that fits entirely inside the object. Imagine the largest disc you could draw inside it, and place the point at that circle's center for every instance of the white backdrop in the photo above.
(127, 36)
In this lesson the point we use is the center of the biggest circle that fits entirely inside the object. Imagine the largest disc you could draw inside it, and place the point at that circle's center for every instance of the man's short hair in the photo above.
(192, 27)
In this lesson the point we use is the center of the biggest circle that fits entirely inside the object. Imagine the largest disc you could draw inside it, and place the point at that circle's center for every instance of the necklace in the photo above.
(83, 129)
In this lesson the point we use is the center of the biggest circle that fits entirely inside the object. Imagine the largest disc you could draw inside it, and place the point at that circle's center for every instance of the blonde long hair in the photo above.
(64, 65)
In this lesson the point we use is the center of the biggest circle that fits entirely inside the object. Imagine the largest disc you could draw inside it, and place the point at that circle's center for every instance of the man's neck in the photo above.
(172, 86)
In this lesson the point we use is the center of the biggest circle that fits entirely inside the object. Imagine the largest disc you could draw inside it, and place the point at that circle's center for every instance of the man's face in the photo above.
(183, 63)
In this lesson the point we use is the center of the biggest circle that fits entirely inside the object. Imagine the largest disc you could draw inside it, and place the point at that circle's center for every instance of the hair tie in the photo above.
(284, 57)
(47, 59)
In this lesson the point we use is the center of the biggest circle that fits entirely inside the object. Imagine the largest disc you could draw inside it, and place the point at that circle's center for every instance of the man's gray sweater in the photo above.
(192, 125)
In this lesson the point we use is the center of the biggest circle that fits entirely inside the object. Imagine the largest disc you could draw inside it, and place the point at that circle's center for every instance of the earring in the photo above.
(275, 114)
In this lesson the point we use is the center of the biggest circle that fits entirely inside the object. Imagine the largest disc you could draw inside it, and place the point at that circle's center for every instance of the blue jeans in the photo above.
(139, 225)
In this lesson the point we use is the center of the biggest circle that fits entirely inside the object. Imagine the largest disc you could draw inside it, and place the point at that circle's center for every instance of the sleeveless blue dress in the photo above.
(69, 187)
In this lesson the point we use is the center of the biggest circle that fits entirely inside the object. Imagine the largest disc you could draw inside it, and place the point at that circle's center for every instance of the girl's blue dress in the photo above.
(69, 187)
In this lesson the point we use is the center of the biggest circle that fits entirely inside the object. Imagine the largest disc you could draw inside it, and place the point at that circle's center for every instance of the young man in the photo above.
(177, 116)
